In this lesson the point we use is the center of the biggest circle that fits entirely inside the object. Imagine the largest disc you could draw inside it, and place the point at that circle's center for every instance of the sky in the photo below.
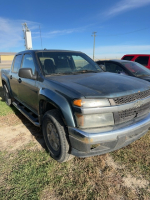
(121, 26)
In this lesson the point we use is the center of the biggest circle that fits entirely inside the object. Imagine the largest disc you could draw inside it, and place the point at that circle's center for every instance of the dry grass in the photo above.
(136, 157)
(34, 175)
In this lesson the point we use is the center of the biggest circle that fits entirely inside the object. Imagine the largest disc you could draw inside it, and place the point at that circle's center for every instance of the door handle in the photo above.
(10, 76)
(19, 80)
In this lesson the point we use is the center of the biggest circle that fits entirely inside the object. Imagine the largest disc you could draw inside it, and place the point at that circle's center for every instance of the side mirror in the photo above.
(26, 73)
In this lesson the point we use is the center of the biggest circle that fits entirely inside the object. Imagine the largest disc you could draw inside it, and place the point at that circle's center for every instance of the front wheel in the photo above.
(55, 136)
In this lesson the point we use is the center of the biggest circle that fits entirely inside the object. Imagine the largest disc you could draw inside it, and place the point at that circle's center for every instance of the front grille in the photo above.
(132, 97)
(129, 114)
(133, 111)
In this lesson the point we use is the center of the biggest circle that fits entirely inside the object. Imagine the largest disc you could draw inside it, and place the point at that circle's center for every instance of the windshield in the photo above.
(136, 69)
(66, 63)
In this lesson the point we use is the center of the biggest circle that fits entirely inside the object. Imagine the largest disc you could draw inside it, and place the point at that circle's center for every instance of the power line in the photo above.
(124, 33)
(94, 43)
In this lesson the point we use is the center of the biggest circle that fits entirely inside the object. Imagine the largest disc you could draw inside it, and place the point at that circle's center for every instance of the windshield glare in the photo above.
(66, 63)
(136, 69)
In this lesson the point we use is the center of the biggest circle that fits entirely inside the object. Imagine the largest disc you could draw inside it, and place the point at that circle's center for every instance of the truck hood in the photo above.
(146, 78)
(104, 84)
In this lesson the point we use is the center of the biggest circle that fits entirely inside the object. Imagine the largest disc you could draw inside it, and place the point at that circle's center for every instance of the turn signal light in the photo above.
(77, 102)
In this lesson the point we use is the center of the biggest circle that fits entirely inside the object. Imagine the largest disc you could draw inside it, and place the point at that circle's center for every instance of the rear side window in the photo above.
(114, 68)
(127, 58)
(100, 62)
(17, 63)
(28, 62)
(143, 60)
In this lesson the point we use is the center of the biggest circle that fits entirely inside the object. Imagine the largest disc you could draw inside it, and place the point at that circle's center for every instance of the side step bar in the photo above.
(26, 114)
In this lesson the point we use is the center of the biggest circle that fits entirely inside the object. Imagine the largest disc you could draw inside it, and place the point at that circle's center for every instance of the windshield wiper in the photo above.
(72, 73)
(86, 71)
(65, 73)
(142, 75)
(58, 74)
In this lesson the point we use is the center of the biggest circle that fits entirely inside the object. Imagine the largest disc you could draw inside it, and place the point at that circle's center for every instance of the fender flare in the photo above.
(5, 78)
(60, 102)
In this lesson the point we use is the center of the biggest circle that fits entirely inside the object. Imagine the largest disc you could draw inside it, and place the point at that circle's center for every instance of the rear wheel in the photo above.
(55, 136)
(7, 95)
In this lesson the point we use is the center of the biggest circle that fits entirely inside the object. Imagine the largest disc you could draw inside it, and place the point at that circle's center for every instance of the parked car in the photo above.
(143, 59)
(125, 67)
(82, 110)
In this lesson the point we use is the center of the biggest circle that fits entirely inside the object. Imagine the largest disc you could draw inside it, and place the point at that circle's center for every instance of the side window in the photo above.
(128, 58)
(28, 62)
(143, 60)
(17, 63)
(100, 62)
(114, 68)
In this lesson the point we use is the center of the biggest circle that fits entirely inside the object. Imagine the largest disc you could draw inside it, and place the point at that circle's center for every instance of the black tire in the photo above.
(7, 97)
(55, 136)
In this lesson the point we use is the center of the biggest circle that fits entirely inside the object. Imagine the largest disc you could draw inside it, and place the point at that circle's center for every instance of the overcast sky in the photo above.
(122, 26)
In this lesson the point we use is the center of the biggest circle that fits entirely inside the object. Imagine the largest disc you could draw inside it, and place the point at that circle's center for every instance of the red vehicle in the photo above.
(143, 59)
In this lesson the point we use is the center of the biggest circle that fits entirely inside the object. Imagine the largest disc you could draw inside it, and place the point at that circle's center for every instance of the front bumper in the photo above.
(89, 142)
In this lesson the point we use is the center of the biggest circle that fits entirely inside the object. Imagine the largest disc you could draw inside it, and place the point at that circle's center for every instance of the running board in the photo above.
(27, 114)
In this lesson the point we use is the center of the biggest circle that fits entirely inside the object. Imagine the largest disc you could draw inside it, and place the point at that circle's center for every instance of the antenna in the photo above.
(41, 37)
(27, 36)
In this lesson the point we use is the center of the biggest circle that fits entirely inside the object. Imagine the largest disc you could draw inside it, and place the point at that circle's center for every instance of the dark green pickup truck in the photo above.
(82, 110)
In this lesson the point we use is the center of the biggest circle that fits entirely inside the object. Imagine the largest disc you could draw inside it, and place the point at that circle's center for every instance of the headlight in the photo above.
(94, 120)
(91, 103)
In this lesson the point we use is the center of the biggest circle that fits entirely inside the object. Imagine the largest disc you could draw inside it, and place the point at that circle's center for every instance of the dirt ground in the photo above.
(15, 137)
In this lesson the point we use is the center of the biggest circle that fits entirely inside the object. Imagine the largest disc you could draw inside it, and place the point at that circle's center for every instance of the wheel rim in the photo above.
(53, 136)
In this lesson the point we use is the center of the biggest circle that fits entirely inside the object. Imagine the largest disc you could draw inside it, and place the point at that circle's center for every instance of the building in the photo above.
(6, 57)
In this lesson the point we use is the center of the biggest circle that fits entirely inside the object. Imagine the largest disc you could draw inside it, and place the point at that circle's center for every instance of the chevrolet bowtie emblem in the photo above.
(138, 104)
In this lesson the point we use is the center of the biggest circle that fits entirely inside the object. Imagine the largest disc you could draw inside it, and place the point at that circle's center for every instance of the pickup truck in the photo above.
(143, 59)
(82, 110)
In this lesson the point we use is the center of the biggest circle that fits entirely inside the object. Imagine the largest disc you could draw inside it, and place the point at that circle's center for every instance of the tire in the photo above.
(55, 136)
(7, 97)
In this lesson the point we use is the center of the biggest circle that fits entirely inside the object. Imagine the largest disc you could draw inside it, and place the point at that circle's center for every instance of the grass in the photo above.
(33, 174)
(4, 109)
(30, 172)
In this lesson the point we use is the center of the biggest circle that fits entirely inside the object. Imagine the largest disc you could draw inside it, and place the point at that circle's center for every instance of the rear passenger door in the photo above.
(143, 60)
(14, 78)
(28, 90)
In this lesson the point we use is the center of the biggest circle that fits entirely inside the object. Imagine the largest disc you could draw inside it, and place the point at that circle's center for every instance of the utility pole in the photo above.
(94, 44)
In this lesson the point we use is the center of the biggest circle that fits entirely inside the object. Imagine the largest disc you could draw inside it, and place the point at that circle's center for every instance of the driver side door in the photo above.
(28, 90)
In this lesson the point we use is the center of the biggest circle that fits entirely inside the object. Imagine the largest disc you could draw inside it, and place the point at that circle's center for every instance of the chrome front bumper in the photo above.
(89, 142)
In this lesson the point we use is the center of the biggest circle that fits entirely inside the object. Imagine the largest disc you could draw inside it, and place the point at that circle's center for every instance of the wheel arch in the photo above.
(5, 80)
(54, 100)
